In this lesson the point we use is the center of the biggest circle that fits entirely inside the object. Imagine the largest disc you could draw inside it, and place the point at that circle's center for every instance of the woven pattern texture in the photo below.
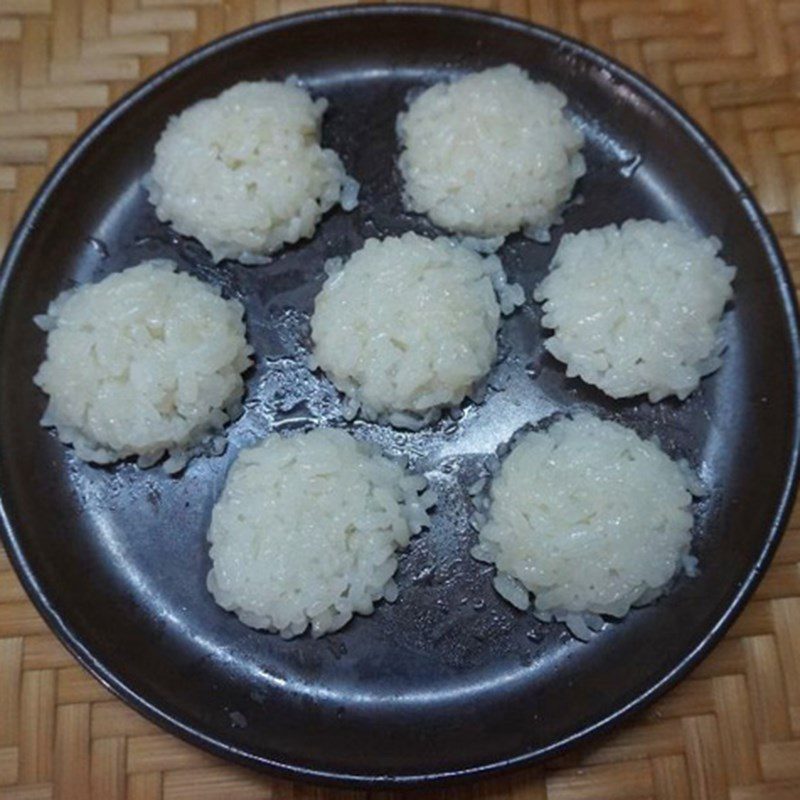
(732, 729)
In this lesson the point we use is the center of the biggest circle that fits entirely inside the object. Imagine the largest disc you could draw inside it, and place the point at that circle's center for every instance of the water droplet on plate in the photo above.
(630, 166)
(99, 246)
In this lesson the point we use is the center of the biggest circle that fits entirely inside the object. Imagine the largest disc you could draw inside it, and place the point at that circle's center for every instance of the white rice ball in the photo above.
(144, 362)
(636, 309)
(306, 530)
(490, 153)
(244, 172)
(408, 325)
(589, 518)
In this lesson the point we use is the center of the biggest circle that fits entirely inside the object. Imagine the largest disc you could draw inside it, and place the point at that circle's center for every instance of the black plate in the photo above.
(449, 680)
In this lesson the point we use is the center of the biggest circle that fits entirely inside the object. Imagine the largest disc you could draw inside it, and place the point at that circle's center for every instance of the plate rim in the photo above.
(173, 725)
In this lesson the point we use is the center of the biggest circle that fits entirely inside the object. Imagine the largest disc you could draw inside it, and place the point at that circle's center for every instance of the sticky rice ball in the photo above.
(408, 325)
(144, 362)
(637, 309)
(244, 172)
(589, 518)
(306, 530)
(490, 153)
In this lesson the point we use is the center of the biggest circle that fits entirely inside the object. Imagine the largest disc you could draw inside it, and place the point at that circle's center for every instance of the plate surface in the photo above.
(449, 680)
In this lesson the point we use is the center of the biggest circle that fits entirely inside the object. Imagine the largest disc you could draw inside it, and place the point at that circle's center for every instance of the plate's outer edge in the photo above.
(772, 538)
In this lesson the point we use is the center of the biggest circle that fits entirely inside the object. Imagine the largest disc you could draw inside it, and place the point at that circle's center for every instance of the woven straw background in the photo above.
(732, 729)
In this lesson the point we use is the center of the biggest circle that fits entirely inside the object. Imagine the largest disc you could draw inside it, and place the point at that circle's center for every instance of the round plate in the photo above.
(450, 680)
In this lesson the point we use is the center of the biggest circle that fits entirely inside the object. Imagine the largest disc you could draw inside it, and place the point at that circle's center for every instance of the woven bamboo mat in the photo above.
(732, 729)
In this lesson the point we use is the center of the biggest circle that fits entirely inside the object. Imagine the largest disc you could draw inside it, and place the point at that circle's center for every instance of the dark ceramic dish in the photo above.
(449, 681)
